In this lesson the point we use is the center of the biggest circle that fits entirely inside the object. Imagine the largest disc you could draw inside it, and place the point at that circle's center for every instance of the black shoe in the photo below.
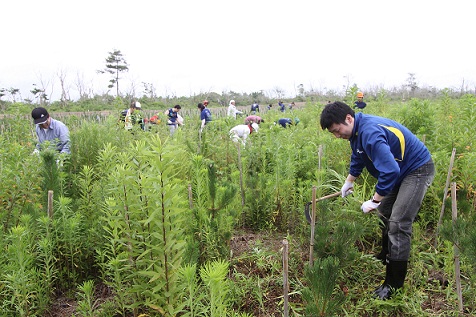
(394, 278)
(383, 292)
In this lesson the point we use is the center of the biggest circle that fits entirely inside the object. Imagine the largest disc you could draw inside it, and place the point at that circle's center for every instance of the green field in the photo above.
(148, 224)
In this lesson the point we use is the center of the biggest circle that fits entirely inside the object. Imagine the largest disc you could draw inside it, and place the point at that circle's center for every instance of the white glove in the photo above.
(347, 188)
(369, 205)
(35, 151)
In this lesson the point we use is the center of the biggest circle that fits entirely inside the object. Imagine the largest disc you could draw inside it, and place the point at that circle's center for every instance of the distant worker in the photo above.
(155, 119)
(360, 101)
(49, 129)
(232, 111)
(254, 108)
(270, 106)
(241, 132)
(282, 106)
(205, 115)
(173, 118)
(285, 122)
(291, 105)
(253, 119)
(133, 116)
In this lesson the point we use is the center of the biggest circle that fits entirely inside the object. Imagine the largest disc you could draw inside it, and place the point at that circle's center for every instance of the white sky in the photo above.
(184, 47)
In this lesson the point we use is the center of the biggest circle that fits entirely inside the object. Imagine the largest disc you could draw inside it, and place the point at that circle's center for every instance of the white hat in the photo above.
(255, 126)
(138, 106)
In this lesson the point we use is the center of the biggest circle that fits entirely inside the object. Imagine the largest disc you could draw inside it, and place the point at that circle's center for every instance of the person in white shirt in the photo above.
(133, 116)
(232, 111)
(241, 132)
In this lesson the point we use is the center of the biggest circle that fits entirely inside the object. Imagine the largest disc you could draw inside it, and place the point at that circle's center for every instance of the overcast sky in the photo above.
(192, 46)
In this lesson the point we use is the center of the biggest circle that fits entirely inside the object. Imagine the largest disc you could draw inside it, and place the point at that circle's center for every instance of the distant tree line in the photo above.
(116, 64)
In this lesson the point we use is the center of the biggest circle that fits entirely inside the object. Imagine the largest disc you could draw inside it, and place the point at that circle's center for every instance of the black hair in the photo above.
(201, 106)
(177, 107)
(335, 112)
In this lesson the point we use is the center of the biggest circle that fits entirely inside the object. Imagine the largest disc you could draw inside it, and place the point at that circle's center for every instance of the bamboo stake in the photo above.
(327, 196)
(199, 141)
(454, 214)
(285, 277)
(319, 153)
(313, 225)
(241, 177)
(242, 190)
(190, 197)
(447, 184)
(50, 204)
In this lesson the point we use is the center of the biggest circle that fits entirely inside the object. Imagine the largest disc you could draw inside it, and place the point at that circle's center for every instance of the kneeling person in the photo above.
(241, 132)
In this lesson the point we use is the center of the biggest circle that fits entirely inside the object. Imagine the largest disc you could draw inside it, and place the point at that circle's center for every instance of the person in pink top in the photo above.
(253, 119)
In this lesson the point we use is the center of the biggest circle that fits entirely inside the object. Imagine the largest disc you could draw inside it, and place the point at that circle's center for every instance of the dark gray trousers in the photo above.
(400, 208)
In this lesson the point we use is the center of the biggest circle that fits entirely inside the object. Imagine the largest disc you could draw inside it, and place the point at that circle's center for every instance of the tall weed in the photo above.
(19, 276)
(143, 222)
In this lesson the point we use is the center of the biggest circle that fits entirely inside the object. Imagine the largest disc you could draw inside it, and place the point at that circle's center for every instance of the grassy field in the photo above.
(149, 224)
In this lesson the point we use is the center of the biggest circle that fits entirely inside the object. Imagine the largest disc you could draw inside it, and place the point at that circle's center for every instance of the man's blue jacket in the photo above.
(387, 149)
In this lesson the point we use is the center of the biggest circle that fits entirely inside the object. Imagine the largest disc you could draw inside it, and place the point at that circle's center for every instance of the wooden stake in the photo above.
(50, 204)
(241, 176)
(285, 277)
(199, 141)
(313, 225)
(447, 184)
(190, 197)
(319, 153)
(328, 196)
(454, 214)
